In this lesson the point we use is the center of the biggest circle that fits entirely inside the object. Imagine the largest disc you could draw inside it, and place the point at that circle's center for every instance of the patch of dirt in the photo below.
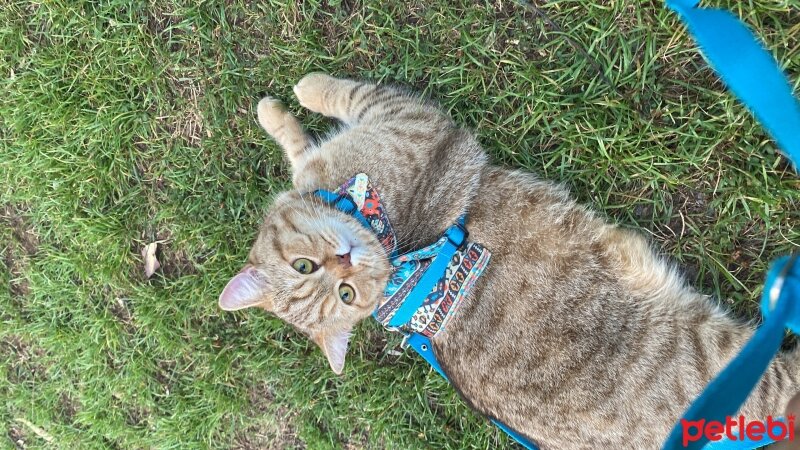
(113, 363)
(357, 441)
(18, 285)
(148, 174)
(276, 433)
(261, 397)
(23, 233)
(183, 120)
(164, 25)
(25, 361)
(68, 408)
(167, 374)
(522, 29)
(187, 124)
(374, 344)
(25, 241)
(164, 373)
(345, 7)
(687, 204)
(111, 444)
(692, 201)
(643, 211)
(137, 417)
(120, 309)
(175, 263)
(333, 19)
(691, 271)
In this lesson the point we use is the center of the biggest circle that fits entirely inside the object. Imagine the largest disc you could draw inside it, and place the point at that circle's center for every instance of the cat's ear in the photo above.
(248, 288)
(334, 345)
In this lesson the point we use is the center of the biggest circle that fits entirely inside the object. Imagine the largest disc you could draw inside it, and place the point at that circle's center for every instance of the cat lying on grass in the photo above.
(576, 335)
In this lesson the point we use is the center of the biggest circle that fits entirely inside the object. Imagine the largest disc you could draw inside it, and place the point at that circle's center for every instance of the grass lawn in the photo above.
(123, 123)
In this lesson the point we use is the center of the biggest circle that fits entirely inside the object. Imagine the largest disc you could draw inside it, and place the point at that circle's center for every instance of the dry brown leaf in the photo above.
(151, 263)
(38, 431)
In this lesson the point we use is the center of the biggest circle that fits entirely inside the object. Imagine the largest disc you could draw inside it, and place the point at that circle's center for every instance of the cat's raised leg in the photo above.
(284, 128)
(351, 101)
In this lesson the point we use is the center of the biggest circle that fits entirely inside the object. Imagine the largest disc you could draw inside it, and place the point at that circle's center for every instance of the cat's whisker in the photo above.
(407, 238)
(315, 214)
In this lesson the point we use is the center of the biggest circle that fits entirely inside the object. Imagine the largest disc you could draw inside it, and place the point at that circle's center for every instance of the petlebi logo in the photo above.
(738, 429)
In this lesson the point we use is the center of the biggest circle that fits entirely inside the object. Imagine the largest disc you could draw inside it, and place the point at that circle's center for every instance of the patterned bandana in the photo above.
(464, 269)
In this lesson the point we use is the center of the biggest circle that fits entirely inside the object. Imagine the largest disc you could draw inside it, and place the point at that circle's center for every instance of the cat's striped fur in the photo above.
(577, 336)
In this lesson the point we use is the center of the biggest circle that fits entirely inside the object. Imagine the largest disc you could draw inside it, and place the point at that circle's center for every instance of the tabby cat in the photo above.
(576, 336)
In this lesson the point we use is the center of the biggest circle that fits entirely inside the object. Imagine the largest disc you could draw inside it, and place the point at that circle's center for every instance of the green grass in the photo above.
(127, 122)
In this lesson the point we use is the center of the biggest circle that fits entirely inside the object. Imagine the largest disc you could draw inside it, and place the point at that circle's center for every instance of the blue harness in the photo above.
(428, 285)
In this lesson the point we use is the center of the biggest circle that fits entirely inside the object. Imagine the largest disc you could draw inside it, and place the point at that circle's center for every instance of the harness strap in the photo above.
(728, 391)
(456, 235)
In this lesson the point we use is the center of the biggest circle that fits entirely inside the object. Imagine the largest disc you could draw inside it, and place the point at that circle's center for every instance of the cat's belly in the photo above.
(563, 380)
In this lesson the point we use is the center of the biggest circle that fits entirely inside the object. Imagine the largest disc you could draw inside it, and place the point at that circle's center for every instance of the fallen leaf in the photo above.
(38, 431)
(151, 263)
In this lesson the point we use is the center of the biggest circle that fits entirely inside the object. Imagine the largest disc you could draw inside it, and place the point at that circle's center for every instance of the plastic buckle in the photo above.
(345, 204)
(463, 235)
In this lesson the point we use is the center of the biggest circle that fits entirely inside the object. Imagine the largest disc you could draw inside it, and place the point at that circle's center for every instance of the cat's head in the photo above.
(314, 267)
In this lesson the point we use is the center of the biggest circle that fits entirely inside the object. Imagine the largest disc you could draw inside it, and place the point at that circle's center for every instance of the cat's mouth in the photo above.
(357, 253)
(351, 249)
(346, 243)
(351, 238)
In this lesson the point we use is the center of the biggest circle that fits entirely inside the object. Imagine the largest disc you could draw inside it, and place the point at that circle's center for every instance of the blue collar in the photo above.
(343, 203)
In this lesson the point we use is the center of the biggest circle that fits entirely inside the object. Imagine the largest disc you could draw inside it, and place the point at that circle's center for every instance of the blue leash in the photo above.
(747, 69)
(753, 75)
(422, 345)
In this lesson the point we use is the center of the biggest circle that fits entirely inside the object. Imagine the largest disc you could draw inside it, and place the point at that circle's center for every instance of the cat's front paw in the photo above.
(271, 114)
(309, 90)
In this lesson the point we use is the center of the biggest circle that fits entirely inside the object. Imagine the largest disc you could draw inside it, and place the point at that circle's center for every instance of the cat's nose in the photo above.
(344, 260)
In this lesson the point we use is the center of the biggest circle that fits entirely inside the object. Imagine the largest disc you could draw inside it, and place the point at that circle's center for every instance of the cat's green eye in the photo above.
(304, 266)
(347, 293)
